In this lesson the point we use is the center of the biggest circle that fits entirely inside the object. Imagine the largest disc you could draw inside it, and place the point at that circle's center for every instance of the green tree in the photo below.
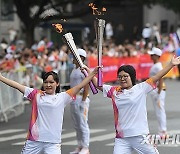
(34, 12)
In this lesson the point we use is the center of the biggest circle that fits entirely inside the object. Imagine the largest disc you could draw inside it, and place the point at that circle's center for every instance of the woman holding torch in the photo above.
(45, 127)
(129, 104)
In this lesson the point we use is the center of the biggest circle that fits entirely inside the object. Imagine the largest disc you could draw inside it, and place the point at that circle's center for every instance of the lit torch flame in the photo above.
(95, 9)
(58, 27)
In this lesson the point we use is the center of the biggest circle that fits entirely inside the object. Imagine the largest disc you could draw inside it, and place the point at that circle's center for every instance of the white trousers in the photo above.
(159, 106)
(79, 114)
(34, 147)
(128, 144)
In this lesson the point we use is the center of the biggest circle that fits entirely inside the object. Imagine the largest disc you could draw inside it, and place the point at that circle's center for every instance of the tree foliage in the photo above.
(33, 12)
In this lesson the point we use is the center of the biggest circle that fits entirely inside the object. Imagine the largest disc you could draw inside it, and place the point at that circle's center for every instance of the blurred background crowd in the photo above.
(45, 55)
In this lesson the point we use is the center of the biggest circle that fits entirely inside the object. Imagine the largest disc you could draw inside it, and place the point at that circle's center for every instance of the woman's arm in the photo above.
(94, 80)
(12, 83)
(164, 71)
(77, 88)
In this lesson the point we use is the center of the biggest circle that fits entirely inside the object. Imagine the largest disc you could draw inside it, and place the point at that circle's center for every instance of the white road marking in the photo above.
(67, 135)
(13, 137)
(110, 144)
(93, 139)
(2, 132)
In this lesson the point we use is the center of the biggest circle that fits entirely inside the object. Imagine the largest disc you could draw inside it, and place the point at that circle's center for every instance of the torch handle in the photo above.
(92, 86)
(100, 77)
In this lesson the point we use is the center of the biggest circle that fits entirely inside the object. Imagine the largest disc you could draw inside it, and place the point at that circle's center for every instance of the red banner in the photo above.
(141, 63)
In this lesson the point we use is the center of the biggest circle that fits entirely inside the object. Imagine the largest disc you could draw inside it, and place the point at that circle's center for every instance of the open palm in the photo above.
(175, 61)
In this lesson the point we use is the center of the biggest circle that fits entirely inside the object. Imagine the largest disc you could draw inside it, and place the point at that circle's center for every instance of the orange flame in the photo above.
(95, 9)
(58, 27)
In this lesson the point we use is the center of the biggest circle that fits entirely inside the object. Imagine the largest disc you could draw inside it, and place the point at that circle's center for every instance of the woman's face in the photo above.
(50, 85)
(125, 80)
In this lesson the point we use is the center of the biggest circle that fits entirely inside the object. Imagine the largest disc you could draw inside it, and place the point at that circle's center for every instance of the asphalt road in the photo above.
(13, 133)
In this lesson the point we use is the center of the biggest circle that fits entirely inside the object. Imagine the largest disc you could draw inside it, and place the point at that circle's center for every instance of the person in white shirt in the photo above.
(146, 33)
(158, 94)
(109, 31)
(156, 34)
(45, 127)
(80, 108)
(129, 105)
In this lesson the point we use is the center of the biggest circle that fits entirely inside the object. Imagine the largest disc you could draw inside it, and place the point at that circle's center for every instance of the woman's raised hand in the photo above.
(175, 60)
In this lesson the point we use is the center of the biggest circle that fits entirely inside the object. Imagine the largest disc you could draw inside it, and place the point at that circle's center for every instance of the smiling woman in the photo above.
(127, 76)
(51, 83)
(129, 106)
(45, 127)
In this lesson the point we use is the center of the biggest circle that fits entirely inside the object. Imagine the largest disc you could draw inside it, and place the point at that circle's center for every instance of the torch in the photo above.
(99, 28)
(68, 38)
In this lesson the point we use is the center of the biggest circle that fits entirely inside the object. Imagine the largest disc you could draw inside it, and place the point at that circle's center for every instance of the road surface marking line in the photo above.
(8, 131)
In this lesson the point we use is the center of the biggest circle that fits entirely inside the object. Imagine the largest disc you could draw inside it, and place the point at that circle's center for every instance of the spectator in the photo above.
(42, 45)
(156, 34)
(109, 31)
(63, 59)
(146, 33)
(178, 32)
(12, 35)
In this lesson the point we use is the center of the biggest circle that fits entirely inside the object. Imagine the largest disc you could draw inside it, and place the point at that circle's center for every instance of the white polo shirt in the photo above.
(47, 115)
(130, 114)
(76, 77)
(157, 67)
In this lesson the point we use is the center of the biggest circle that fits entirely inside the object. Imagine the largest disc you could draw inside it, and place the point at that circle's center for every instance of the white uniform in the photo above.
(159, 99)
(45, 126)
(130, 117)
(79, 110)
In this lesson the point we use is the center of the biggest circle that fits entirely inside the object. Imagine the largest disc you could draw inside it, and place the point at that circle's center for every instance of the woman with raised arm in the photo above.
(45, 127)
(129, 105)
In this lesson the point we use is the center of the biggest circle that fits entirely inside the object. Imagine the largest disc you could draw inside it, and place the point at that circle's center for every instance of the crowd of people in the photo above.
(47, 56)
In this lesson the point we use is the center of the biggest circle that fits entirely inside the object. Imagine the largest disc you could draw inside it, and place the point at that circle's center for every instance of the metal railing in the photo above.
(10, 98)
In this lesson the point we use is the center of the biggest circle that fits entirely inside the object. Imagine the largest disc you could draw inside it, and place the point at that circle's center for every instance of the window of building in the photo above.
(6, 10)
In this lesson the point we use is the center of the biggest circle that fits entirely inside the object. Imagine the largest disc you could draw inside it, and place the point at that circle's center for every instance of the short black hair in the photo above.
(130, 70)
(55, 77)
